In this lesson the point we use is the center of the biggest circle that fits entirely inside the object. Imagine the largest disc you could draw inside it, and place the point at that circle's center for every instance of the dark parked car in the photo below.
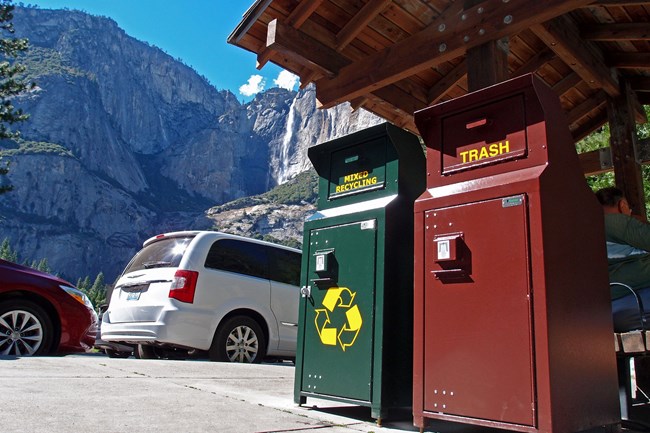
(42, 314)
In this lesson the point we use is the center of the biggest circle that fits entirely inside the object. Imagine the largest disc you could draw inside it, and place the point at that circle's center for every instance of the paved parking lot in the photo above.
(93, 393)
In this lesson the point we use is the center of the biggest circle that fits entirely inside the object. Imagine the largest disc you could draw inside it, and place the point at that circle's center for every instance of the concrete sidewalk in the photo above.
(93, 393)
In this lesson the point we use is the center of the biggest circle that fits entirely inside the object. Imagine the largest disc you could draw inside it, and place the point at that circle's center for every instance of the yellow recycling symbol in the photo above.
(338, 297)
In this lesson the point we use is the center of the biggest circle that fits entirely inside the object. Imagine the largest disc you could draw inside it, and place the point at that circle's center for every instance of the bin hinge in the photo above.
(305, 291)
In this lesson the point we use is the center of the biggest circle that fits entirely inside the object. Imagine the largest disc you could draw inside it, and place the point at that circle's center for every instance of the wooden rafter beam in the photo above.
(644, 98)
(309, 77)
(358, 103)
(398, 98)
(448, 81)
(616, 32)
(263, 58)
(534, 63)
(600, 160)
(303, 49)
(640, 84)
(589, 105)
(316, 56)
(589, 127)
(619, 3)
(566, 83)
(359, 21)
(448, 37)
(562, 36)
(629, 60)
(302, 12)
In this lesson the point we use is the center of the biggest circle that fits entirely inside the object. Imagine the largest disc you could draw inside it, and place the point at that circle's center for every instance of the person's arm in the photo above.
(637, 234)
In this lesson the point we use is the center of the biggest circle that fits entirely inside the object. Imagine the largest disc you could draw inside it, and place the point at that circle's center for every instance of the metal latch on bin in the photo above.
(325, 267)
(322, 260)
(447, 247)
(449, 256)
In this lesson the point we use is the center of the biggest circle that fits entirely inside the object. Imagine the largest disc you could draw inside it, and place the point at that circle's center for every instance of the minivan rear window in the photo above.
(165, 253)
(256, 260)
(232, 255)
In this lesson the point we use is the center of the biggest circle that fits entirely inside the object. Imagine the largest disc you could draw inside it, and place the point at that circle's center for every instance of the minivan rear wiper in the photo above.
(149, 265)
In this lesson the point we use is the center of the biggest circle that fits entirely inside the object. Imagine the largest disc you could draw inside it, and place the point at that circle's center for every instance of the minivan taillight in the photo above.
(183, 286)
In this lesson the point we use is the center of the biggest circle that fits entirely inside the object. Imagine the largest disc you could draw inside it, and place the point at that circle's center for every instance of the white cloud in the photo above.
(255, 85)
(286, 80)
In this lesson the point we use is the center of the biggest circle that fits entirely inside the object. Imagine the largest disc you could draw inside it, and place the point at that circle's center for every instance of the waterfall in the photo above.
(283, 166)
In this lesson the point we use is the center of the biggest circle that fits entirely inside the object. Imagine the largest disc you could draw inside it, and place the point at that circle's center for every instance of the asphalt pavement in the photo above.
(93, 393)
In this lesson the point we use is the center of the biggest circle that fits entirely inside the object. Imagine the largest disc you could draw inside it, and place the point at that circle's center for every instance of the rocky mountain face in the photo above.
(125, 142)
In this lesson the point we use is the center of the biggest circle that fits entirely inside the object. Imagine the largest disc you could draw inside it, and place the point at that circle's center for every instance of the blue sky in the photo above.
(195, 32)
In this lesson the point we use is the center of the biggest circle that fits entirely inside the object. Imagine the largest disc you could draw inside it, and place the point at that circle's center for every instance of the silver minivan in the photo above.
(199, 291)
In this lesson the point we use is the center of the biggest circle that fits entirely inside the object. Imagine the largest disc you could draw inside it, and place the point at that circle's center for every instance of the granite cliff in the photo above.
(125, 142)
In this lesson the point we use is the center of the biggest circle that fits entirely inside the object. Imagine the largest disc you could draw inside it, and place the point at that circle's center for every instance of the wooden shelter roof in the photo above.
(394, 57)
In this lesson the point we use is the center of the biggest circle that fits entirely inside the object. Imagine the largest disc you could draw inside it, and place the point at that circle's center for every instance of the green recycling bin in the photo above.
(355, 333)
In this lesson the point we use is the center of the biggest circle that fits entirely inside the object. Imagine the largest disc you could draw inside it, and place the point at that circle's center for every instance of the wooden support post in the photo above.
(623, 141)
(487, 64)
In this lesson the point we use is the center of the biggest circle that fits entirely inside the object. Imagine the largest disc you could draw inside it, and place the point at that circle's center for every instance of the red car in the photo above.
(42, 314)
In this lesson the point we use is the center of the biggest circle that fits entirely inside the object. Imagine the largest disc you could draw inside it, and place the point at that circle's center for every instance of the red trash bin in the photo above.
(512, 320)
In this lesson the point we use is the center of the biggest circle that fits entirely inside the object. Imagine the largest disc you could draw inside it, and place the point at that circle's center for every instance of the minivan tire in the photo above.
(238, 339)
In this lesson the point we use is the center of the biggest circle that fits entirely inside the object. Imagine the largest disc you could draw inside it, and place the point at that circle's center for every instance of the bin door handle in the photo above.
(477, 123)
(305, 291)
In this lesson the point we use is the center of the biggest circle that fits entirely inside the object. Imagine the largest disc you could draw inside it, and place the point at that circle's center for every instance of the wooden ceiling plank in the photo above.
(359, 21)
(561, 35)
(449, 80)
(302, 12)
(617, 32)
(448, 37)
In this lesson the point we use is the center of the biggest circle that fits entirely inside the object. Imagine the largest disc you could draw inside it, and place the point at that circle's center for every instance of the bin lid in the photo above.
(510, 126)
(376, 162)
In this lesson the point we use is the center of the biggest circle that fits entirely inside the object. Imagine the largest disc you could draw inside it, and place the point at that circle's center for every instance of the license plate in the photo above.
(133, 296)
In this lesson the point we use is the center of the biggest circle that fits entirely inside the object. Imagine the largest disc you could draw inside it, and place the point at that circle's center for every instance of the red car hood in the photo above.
(25, 270)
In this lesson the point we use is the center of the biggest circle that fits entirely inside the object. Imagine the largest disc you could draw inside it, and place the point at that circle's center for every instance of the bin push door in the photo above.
(477, 312)
(339, 315)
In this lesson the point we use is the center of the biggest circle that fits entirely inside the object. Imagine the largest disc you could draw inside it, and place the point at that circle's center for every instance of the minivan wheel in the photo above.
(239, 339)
(25, 329)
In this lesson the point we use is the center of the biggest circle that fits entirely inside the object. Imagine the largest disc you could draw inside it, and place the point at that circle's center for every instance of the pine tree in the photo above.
(97, 292)
(84, 285)
(11, 85)
(43, 266)
(7, 253)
